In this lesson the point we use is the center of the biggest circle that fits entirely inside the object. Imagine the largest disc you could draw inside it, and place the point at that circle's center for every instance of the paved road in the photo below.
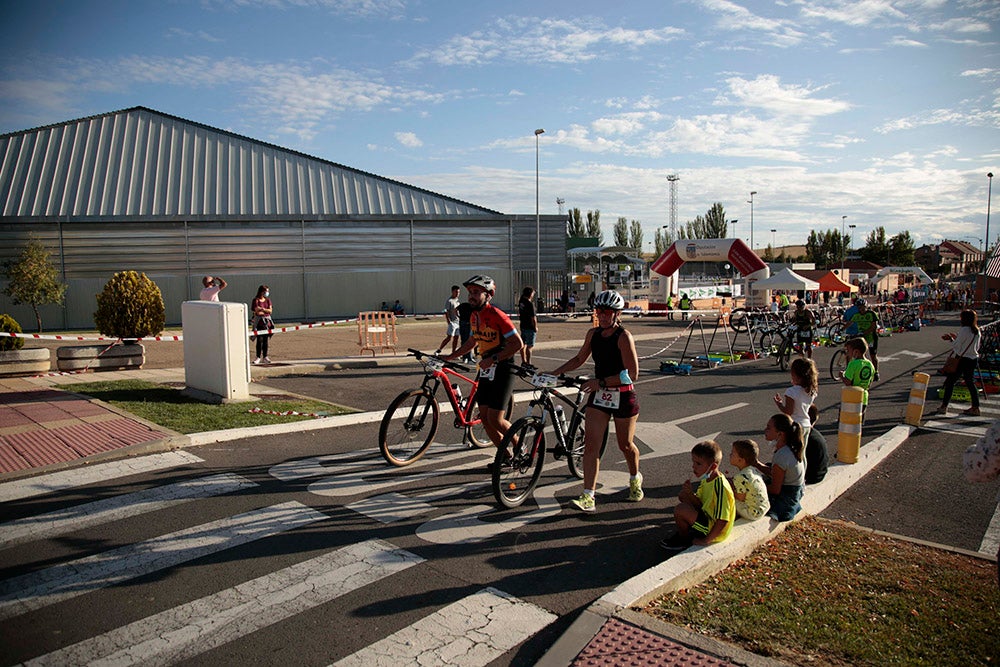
(350, 560)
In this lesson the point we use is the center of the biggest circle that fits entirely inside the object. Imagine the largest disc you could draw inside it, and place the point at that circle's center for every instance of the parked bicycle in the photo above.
(411, 421)
(521, 455)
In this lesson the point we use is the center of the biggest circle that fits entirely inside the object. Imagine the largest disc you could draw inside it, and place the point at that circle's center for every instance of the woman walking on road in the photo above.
(612, 394)
(965, 346)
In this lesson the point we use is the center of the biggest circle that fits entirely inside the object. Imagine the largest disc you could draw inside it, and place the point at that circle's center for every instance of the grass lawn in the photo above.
(169, 408)
(829, 593)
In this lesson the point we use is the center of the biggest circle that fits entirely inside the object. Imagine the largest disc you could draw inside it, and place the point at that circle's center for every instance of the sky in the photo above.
(884, 111)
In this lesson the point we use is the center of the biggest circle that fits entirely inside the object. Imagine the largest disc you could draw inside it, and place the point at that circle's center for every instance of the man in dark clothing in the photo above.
(465, 327)
(817, 455)
(529, 323)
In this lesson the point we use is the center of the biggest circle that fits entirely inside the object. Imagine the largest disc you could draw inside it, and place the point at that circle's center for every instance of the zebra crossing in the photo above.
(474, 630)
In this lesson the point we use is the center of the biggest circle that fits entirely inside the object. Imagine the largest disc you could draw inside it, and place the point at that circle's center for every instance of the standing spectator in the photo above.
(572, 302)
(612, 395)
(685, 305)
(465, 327)
(529, 323)
(211, 286)
(859, 372)
(590, 300)
(670, 306)
(797, 399)
(451, 321)
(965, 346)
(262, 322)
(564, 301)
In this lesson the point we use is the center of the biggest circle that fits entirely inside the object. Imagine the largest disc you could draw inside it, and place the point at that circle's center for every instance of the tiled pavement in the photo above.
(42, 427)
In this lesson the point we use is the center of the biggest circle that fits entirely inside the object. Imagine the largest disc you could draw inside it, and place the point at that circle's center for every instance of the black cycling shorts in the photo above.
(496, 393)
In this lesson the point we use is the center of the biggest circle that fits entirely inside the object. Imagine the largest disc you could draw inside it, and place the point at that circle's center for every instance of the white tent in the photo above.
(786, 279)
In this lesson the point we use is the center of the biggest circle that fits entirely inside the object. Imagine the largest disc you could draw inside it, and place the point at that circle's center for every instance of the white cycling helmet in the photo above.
(482, 281)
(609, 299)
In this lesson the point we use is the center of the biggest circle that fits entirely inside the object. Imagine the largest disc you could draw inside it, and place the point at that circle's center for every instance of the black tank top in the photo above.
(607, 357)
(802, 320)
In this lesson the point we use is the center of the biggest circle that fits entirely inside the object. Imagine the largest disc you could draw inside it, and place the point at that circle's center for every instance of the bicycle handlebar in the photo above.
(450, 364)
(564, 380)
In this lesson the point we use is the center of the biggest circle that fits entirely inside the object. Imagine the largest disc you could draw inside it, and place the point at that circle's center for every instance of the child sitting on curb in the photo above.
(749, 487)
(786, 473)
(704, 516)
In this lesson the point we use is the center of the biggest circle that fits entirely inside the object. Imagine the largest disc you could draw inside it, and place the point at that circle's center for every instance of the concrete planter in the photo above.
(119, 357)
(26, 361)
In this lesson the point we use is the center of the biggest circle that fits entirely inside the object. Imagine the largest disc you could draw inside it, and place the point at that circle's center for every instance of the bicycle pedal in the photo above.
(558, 452)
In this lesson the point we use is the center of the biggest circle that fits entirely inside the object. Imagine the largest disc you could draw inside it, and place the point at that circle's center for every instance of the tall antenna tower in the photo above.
(672, 179)
(560, 201)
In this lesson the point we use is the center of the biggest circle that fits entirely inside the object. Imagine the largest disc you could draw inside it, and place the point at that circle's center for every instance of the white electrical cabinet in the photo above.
(216, 350)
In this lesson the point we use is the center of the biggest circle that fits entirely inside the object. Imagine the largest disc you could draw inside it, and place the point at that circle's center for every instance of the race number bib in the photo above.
(608, 398)
(488, 373)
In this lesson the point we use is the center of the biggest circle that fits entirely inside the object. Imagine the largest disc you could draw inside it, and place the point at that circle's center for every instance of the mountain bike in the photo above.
(411, 420)
(521, 455)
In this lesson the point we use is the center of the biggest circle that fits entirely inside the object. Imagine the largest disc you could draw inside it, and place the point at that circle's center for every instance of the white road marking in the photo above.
(369, 481)
(465, 526)
(193, 628)
(907, 353)
(118, 507)
(392, 507)
(35, 590)
(710, 413)
(100, 472)
(958, 427)
(473, 631)
(991, 540)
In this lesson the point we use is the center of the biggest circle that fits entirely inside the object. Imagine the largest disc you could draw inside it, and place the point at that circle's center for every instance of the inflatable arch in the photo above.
(735, 251)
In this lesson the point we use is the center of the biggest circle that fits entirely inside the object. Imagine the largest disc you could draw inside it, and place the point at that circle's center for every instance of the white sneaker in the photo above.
(256, 361)
(267, 360)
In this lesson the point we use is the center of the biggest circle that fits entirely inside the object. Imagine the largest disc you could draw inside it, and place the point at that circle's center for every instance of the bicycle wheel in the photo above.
(838, 364)
(477, 435)
(574, 457)
(836, 333)
(408, 427)
(739, 321)
(515, 479)
(785, 353)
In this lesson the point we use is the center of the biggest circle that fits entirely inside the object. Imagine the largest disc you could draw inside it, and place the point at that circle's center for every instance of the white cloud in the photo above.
(851, 12)
(409, 139)
(906, 41)
(732, 18)
(360, 8)
(532, 40)
(767, 92)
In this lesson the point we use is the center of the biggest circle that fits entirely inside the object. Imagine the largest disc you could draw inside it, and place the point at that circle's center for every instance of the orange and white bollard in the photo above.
(849, 435)
(918, 397)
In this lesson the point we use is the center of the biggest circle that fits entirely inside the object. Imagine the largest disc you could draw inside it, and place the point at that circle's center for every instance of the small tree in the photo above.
(9, 325)
(130, 306)
(32, 279)
(621, 232)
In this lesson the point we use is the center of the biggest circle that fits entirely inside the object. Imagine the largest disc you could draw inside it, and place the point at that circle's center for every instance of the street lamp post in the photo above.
(772, 244)
(986, 259)
(538, 224)
(843, 219)
(733, 223)
(752, 193)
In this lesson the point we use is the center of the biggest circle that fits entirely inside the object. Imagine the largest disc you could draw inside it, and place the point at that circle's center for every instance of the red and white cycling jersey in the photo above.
(489, 327)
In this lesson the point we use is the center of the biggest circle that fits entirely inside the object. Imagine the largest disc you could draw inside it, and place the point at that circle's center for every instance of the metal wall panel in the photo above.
(139, 162)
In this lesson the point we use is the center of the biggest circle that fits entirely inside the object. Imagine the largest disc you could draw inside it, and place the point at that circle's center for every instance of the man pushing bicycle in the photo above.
(497, 340)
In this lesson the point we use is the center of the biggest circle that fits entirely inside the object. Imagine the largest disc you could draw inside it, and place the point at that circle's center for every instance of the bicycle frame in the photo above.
(442, 377)
(548, 409)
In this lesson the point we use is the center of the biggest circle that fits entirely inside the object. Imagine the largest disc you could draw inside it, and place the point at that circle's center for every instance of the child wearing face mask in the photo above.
(786, 474)
(707, 508)
(262, 322)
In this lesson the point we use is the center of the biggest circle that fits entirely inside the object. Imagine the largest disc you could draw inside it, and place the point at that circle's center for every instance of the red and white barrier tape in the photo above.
(289, 413)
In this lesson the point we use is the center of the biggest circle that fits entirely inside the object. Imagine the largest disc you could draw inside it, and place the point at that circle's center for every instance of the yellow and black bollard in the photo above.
(918, 397)
(849, 436)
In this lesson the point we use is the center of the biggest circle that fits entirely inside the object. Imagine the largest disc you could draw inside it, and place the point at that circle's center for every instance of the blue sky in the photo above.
(886, 111)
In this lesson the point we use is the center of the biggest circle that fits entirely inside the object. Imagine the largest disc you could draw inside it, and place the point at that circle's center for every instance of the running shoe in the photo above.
(584, 503)
(635, 493)
(675, 543)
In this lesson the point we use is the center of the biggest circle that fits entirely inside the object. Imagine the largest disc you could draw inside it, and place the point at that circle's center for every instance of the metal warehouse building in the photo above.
(138, 189)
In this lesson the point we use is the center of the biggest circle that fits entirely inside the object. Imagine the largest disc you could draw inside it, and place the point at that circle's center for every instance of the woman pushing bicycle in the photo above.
(616, 366)
(494, 333)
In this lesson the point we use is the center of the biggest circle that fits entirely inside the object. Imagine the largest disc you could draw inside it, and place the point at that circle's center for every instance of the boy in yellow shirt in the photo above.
(704, 516)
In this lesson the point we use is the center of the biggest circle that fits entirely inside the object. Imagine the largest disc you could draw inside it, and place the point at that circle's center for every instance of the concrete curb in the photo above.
(696, 564)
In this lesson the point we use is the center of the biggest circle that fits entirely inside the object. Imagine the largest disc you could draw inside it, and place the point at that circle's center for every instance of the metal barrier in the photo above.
(377, 331)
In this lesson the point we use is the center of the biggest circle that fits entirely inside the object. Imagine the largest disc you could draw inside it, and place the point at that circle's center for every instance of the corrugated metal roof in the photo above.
(142, 164)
